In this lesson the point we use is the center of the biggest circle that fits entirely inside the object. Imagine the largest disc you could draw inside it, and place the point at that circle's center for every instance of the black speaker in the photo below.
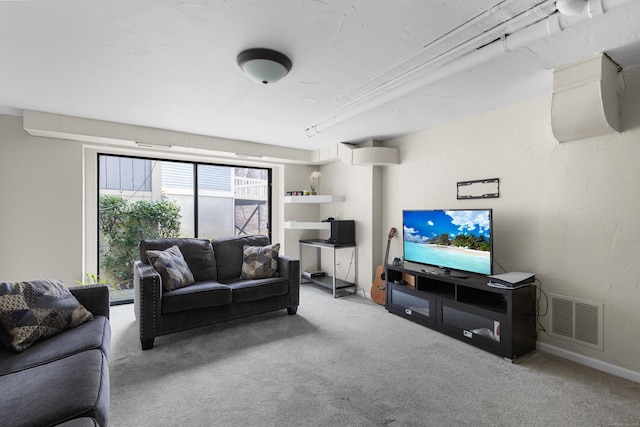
(343, 232)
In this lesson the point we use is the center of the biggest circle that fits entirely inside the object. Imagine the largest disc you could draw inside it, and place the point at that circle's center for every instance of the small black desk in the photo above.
(330, 281)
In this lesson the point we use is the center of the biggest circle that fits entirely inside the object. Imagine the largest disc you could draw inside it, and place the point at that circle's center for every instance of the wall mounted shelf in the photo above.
(307, 225)
(292, 224)
(326, 198)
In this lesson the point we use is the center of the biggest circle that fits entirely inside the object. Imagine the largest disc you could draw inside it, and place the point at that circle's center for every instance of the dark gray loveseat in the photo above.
(63, 379)
(218, 294)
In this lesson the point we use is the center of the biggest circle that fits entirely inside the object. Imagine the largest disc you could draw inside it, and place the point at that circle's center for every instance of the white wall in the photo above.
(48, 190)
(41, 191)
(295, 178)
(355, 184)
(570, 213)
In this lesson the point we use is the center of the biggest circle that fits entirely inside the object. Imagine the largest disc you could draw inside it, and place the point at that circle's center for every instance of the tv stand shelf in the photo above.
(501, 321)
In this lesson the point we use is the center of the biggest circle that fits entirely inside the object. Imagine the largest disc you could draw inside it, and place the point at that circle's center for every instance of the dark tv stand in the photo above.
(501, 321)
(445, 272)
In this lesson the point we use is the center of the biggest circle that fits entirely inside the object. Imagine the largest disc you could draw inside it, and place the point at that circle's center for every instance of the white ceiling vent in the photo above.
(577, 320)
(585, 101)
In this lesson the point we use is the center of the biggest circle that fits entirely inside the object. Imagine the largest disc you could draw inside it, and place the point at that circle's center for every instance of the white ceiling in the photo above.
(171, 64)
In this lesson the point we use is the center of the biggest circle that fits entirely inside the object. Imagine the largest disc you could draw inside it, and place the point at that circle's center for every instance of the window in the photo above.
(123, 173)
(146, 198)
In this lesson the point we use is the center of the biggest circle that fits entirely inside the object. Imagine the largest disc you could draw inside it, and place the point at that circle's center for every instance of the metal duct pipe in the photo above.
(553, 24)
(512, 25)
(587, 8)
(559, 22)
(484, 28)
(437, 68)
(572, 7)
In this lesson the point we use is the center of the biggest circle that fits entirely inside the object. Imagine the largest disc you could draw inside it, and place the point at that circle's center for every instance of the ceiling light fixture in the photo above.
(264, 65)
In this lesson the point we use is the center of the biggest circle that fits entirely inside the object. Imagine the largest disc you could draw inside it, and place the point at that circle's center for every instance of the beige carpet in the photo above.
(347, 362)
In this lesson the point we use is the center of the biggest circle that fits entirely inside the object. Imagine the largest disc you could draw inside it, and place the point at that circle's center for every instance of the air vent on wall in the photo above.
(577, 320)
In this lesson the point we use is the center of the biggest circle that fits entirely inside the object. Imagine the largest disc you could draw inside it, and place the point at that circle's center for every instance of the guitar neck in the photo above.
(386, 254)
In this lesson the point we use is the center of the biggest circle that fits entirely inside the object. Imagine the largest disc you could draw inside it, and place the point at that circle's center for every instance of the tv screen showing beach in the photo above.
(449, 239)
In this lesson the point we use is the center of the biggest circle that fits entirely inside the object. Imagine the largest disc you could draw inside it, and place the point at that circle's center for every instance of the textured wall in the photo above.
(41, 213)
(568, 212)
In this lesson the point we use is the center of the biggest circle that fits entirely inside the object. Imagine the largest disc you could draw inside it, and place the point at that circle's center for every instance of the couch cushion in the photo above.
(253, 290)
(198, 295)
(196, 252)
(260, 262)
(173, 269)
(76, 386)
(228, 252)
(90, 335)
(37, 309)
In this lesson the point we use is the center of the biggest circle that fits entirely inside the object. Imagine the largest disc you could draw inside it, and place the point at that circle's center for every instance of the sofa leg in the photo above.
(292, 310)
(147, 344)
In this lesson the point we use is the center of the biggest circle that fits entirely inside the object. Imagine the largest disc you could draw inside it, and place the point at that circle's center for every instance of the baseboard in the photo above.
(590, 362)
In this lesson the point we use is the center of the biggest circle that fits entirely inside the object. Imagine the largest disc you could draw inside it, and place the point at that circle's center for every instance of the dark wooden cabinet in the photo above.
(501, 321)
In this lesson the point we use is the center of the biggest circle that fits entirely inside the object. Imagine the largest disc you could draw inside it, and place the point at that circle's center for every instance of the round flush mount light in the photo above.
(264, 65)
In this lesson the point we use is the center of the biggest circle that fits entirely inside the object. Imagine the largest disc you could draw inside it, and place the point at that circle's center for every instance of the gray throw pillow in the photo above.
(173, 269)
(30, 311)
(260, 262)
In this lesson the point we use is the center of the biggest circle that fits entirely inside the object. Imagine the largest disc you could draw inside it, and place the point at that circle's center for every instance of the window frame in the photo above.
(195, 165)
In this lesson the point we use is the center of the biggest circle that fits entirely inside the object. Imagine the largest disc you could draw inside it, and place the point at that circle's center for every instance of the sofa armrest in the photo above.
(147, 299)
(290, 268)
(94, 298)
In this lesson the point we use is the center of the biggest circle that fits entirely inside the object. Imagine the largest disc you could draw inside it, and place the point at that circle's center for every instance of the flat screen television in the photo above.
(457, 239)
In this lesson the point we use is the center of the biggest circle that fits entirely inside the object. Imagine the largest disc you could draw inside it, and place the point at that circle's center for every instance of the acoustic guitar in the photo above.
(378, 289)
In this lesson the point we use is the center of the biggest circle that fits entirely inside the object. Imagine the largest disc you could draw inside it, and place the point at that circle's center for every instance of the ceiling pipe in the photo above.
(555, 23)
(406, 82)
(512, 25)
(571, 7)
(589, 8)
(483, 26)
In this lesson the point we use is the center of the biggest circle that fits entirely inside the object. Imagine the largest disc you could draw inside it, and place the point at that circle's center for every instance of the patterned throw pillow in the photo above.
(37, 309)
(173, 269)
(260, 262)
